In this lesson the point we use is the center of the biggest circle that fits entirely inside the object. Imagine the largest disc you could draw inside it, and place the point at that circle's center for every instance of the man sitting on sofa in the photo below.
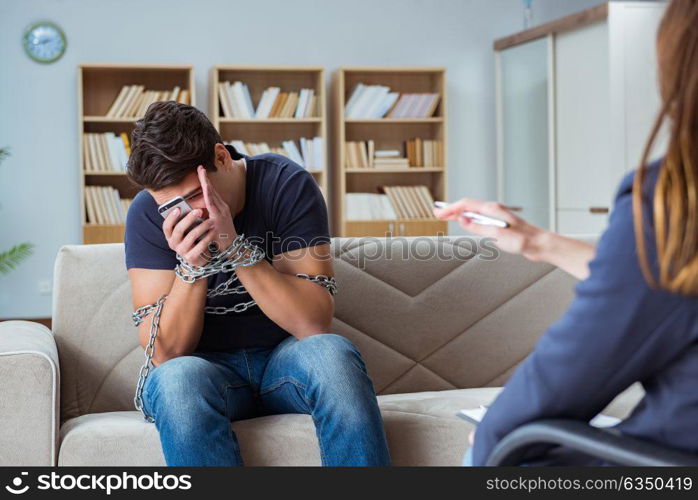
(243, 299)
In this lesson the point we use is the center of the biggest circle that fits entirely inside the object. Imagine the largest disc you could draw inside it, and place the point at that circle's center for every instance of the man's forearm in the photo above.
(181, 321)
(299, 306)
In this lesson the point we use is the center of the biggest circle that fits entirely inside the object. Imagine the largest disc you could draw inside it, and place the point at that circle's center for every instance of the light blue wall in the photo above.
(39, 182)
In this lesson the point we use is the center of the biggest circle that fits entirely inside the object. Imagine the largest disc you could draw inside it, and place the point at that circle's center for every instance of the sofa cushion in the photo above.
(426, 313)
(422, 429)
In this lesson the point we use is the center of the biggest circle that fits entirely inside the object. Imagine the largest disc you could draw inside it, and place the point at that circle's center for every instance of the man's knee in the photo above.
(180, 376)
(329, 348)
(330, 357)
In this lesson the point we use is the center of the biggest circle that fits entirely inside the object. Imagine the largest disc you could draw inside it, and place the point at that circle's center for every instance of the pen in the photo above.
(483, 220)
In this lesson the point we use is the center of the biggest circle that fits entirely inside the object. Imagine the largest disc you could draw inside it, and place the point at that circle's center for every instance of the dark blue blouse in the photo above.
(617, 331)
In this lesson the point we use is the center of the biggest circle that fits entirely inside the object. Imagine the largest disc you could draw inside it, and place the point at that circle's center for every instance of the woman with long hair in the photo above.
(635, 313)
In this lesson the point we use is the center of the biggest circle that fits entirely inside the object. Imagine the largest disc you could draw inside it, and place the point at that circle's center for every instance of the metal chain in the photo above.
(323, 280)
(138, 317)
(239, 253)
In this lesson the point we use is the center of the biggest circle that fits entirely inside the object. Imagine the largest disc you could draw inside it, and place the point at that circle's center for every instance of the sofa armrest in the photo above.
(607, 444)
(29, 384)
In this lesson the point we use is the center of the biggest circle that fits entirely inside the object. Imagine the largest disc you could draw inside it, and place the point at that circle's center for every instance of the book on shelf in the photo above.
(266, 102)
(133, 100)
(310, 155)
(420, 105)
(370, 101)
(105, 152)
(236, 102)
(363, 154)
(411, 202)
(424, 153)
(104, 206)
(377, 101)
(420, 153)
(397, 163)
(388, 153)
(398, 202)
(369, 206)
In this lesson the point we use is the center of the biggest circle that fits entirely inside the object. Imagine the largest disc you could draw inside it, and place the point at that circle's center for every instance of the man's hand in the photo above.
(185, 244)
(220, 218)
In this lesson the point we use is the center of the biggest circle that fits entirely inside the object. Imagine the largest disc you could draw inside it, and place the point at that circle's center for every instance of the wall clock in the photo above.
(44, 42)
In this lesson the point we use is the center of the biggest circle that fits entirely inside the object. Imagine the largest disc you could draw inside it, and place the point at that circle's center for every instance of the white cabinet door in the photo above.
(586, 176)
(633, 53)
(583, 223)
(523, 130)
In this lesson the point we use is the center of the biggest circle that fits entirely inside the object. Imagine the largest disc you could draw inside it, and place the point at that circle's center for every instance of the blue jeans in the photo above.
(194, 398)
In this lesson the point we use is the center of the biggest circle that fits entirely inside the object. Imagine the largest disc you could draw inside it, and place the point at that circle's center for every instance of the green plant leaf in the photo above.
(10, 259)
(4, 153)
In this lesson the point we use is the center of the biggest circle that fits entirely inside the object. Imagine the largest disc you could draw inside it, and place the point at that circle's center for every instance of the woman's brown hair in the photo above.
(675, 199)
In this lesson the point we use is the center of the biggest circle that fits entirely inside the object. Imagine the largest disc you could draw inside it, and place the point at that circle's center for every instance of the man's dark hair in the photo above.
(168, 143)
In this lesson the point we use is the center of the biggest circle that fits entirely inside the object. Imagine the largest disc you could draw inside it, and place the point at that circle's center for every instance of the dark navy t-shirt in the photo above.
(284, 210)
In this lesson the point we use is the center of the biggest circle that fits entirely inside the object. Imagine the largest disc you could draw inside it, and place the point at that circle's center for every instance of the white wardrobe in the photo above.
(576, 100)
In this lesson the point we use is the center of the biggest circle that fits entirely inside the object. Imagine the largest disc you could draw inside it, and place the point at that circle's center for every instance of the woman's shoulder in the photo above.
(651, 174)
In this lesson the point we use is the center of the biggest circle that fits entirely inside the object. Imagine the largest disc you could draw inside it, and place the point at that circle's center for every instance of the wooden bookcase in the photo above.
(273, 130)
(387, 133)
(98, 87)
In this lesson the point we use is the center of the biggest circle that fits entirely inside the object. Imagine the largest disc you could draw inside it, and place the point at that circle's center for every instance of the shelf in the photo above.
(105, 119)
(103, 233)
(413, 170)
(392, 70)
(98, 87)
(389, 133)
(395, 227)
(272, 131)
(387, 221)
(270, 121)
(392, 121)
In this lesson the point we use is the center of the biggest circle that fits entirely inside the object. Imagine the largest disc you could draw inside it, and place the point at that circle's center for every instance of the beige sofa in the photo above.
(438, 333)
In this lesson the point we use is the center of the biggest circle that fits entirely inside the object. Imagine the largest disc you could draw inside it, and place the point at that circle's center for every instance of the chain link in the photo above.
(138, 317)
(239, 254)
(323, 280)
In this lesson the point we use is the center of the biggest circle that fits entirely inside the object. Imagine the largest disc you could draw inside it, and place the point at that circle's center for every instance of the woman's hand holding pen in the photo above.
(536, 244)
(519, 238)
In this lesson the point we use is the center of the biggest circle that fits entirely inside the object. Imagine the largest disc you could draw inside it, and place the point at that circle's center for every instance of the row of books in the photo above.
(363, 154)
(104, 206)
(106, 152)
(369, 206)
(133, 100)
(236, 102)
(377, 101)
(424, 153)
(420, 153)
(398, 202)
(310, 155)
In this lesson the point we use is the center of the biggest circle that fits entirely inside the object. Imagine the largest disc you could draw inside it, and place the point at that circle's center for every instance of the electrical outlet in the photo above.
(45, 287)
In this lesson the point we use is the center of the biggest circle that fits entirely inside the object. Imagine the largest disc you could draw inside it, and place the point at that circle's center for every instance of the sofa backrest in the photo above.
(426, 314)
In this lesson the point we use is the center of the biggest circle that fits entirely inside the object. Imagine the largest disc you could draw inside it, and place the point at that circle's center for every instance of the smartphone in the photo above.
(184, 209)
(483, 220)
